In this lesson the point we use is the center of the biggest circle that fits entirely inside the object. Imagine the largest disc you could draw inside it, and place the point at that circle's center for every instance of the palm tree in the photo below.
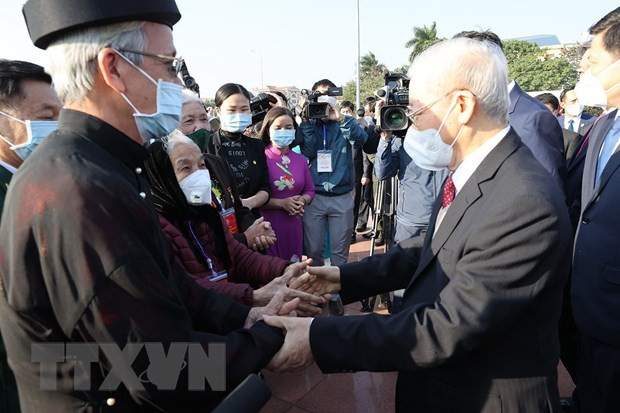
(370, 65)
(423, 38)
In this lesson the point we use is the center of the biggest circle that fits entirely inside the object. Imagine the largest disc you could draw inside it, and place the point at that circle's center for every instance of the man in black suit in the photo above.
(479, 329)
(596, 259)
(537, 127)
(574, 119)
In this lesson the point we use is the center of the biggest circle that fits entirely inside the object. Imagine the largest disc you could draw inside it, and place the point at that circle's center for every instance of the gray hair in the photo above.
(173, 139)
(189, 96)
(462, 63)
(72, 59)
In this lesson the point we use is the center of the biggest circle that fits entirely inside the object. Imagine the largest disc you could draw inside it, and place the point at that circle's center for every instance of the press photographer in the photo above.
(328, 140)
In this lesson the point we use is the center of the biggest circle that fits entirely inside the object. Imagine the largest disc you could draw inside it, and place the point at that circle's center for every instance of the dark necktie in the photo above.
(570, 125)
(449, 191)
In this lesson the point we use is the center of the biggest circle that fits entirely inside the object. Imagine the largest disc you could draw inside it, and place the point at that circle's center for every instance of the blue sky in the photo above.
(301, 41)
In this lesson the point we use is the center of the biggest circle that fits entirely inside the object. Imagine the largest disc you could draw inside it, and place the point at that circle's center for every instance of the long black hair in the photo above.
(170, 201)
(227, 90)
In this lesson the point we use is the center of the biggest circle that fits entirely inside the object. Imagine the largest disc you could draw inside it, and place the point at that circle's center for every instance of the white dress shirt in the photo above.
(468, 166)
(8, 167)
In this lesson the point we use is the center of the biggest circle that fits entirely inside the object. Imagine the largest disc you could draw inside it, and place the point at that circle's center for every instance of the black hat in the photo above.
(49, 19)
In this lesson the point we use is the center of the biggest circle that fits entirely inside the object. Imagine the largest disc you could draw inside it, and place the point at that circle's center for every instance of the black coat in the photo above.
(479, 331)
(255, 154)
(83, 260)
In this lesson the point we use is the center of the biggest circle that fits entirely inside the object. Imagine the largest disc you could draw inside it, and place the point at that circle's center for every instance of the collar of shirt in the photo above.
(469, 165)
(511, 85)
(8, 167)
(103, 134)
(576, 123)
(275, 152)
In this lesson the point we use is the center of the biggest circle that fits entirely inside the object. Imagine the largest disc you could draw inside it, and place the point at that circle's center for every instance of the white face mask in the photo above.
(426, 148)
(197, 187)
(574, 110)
(591, 92)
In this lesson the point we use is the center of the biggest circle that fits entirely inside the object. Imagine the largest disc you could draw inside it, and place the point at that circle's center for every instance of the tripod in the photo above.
(384, 210)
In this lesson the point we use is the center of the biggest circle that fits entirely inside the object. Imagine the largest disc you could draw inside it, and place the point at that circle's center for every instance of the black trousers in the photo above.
(598, 375)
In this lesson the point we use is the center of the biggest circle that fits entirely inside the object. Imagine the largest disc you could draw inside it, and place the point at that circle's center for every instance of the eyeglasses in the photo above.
(176, 62)
(413, 115)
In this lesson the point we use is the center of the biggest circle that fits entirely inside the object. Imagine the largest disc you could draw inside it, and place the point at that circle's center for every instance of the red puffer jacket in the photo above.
(247, 266)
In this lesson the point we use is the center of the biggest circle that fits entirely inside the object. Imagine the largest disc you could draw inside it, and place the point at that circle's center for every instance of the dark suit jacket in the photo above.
(479, 329)
(540, 131)
(574, 173)
(596, 260)
(585, 119)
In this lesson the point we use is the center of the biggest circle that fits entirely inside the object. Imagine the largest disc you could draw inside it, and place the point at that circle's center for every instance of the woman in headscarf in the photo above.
(254, 232)
(189, 216)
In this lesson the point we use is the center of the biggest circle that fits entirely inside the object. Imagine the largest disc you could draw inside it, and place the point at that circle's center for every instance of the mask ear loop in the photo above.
(445, 119)
(14, 146)
(137, 112)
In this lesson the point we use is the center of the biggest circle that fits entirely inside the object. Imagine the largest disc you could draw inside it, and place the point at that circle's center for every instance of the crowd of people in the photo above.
(132, 213)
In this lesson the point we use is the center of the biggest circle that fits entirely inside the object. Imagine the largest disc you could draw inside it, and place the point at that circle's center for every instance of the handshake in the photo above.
(308, 287)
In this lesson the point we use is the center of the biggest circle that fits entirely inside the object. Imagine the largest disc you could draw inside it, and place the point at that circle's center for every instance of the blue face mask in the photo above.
(282, 138)
(235, 122)
(169, 109)
(36, 129)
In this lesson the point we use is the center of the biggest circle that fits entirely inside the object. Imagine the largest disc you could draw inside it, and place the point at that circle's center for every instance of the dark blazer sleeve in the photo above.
(505, 264)
(263, 171)
(542, 133)
(380, 273)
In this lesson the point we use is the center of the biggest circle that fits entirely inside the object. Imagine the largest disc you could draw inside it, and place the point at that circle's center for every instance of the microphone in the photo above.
(249, 397)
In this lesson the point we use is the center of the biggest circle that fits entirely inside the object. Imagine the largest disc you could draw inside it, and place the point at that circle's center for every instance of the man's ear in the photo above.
(108, 63)
(466, 105)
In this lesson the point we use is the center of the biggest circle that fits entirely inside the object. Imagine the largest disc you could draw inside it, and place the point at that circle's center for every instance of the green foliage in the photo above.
(423, 38)
(533, 70)
(369, 65)
(368, 84)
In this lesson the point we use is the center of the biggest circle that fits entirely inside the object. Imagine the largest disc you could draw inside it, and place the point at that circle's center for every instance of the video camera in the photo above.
(260, 105)
(188, 81)
(315, 109)
(395, 93)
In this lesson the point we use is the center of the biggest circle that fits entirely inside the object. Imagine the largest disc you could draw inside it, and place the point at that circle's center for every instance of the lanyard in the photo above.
(324, 137)
(204, 254)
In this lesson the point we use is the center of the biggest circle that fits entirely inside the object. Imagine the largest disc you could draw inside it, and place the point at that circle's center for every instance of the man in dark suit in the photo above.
(537, 127)
(479, 329)
(596, 260)
(573, 119)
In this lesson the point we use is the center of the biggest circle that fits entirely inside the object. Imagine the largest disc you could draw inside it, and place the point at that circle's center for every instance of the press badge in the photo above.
(231, 220)
(324, 161)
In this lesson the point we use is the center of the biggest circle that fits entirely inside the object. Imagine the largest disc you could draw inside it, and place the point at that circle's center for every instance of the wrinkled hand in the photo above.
(309, 303)
(318, 280)
(295, 353)
(260, 235)
(277, 306)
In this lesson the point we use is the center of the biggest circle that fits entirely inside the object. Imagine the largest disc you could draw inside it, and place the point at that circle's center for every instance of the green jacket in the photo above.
(5, 178)
(9, 401)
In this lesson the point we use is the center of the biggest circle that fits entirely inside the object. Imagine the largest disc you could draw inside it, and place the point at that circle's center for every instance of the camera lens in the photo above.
(395, 118)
